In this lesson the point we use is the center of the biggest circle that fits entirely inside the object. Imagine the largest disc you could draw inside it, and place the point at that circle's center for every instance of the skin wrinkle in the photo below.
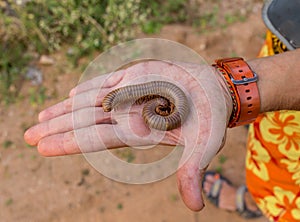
(145, 133)
(292, 89)
(278, 83)
(49, 127)
(266, 103)
(52, 124)
(281, 99)
(93, 141)
(90, 116)
(54, 111)
(121, 139)
(135, 112)
(65, 142)
(188, 185)
(68, 104)
(172, 137)
(86, 140)
(111, 82)
(83, 100)
(59, 146)
(92, 83)
(227, 96)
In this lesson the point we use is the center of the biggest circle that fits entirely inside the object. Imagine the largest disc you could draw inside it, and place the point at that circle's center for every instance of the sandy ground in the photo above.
(34, 188)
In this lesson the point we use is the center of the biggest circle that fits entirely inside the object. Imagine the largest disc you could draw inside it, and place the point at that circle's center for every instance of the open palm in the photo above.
(79, 124)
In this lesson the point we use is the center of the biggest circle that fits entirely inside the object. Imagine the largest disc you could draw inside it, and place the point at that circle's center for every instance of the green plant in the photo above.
(207, 19)
(85, 172)
(20, 155)
(9, 202)
(222, 159)
(29, 146)
(163, 12)
(7, 144)
(37, 96)
(88, 25)
(44, 26)
(120, 206)
(126, 154)
(12, 56)
(232, 18)
(33, 157)
(174, 197)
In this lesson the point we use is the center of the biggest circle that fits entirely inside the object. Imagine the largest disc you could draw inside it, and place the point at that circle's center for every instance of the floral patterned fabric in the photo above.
(273, 157)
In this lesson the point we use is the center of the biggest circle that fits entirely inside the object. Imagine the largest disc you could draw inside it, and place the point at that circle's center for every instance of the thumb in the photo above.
(189, 180)
(190, 174)
(212, 116)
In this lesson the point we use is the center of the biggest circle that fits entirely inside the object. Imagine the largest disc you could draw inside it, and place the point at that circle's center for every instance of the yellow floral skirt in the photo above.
(273, 157)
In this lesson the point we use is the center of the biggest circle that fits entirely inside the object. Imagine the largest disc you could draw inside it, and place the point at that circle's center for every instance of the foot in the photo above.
(226, 196)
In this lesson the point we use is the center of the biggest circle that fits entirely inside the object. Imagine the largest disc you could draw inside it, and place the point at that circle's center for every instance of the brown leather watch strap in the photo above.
(243, 81)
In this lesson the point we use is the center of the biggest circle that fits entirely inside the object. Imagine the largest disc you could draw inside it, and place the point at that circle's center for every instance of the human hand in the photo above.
(81, 116)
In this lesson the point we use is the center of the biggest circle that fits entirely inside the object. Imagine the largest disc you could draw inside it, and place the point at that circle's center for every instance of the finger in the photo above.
(115, 78)
(87, 85)
(88, 90)
(194, 163)
(89, 98)
(84, 140)
(75, 120)
(103, 81)
(189, 181)
(190, 175)
(88, 139)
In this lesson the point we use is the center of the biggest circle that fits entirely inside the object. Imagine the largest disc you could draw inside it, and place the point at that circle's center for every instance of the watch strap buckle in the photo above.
(244, 80)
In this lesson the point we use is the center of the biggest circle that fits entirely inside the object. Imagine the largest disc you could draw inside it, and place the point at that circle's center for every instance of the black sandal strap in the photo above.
(214, 192)
(241, 204)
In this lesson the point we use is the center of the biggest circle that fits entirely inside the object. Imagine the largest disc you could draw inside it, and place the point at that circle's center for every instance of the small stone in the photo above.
(71, 51)
(46, 60)
(34, 75)
(202, 46)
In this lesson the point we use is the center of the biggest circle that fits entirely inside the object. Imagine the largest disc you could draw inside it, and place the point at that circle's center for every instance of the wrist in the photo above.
(241, 82)
(266, 85)
(228, 98)
(279, 81)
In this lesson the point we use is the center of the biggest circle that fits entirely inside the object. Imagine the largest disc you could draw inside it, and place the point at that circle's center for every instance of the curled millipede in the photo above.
(165, 108)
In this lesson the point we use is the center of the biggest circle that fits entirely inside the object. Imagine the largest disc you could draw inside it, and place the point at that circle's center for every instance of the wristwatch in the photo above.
(242, 84)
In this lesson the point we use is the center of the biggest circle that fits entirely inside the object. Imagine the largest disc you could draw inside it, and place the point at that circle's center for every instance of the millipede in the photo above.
(165, 104)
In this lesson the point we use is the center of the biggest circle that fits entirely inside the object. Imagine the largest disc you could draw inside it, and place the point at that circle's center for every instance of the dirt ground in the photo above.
(57, 189)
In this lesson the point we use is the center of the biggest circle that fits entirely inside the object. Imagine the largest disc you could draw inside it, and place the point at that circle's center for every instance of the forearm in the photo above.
(279, 81)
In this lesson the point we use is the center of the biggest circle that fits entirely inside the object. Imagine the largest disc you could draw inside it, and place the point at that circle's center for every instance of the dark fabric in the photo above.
(285, 17)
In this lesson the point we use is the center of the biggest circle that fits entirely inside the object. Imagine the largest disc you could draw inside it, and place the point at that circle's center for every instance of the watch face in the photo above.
(282, 17)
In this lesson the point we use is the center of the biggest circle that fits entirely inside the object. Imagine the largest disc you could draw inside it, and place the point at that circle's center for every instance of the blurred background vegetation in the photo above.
(29, 29)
